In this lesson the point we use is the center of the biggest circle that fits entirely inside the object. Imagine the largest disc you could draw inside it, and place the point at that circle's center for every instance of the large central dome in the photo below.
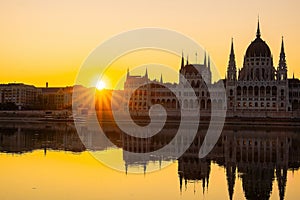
(258, 48)
(258, 61)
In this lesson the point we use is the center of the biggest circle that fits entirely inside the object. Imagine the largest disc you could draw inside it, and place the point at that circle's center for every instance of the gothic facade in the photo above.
(257, 89)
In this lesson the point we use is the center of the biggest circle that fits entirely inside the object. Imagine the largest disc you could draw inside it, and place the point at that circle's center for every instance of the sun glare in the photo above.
(100, 85)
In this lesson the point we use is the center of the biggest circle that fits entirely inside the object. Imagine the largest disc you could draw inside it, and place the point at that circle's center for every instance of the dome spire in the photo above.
(258, 29)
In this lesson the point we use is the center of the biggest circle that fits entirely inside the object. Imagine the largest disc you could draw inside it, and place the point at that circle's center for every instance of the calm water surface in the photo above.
(49, 161)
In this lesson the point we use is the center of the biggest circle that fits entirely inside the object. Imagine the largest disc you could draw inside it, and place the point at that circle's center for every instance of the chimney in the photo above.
(46, 84)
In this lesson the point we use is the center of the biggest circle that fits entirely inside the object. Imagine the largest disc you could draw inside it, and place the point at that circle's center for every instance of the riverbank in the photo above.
(36, 115)
(66, 116)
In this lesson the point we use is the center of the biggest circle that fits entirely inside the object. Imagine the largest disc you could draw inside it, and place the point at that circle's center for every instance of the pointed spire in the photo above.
(182, 61)
(205, 62)
(231, 70)
(128, 72)
(232, 49)
(208, 65)
(187, 60)
(282, 53)
(282, 61)
(161, 78)
(232, 55)
(146, 73)
(258, 29)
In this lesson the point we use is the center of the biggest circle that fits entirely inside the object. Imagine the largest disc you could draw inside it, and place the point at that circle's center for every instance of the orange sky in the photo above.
(48, 40)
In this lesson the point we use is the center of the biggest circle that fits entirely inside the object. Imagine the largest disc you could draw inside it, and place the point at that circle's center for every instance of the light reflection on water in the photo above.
(49, 161)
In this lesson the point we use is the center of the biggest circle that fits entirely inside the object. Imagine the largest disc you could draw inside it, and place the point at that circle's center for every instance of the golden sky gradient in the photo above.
(49, 40)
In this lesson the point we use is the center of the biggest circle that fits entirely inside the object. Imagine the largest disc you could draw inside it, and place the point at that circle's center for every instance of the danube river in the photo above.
(47, 160)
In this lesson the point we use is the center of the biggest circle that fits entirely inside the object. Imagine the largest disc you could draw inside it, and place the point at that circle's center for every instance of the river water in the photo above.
(47, 160)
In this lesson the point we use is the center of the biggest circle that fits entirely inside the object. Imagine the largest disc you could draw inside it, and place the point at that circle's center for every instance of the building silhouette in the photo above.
(258, 86)
(258, 89)
(29, 97)
(19, 94)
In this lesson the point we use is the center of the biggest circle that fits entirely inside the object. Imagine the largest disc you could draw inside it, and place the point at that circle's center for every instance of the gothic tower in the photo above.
(282, 79)
(282, 68)
(231, 69)
(231, 80)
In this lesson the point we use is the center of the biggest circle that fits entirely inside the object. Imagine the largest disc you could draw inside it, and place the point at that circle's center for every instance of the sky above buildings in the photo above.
(47, 41)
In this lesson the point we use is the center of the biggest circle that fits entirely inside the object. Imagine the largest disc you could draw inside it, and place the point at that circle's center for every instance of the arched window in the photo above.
(256, 91)
(152, 101)
(193, 83)
(185, 103)
(244, 90)
(250, 91)
(168, 103)
(263, 74)
(262, 91)
(274, 91)
(208, 105)
(238, 90)
(173, 103)
(202, 106)
(191, 104)
(268, 90)
(257, 74)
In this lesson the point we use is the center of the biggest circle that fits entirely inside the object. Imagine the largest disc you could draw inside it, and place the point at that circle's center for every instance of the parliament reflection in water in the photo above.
(260, 155)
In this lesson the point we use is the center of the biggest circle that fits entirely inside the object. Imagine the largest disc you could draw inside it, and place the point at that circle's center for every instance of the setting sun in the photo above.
(100, 85)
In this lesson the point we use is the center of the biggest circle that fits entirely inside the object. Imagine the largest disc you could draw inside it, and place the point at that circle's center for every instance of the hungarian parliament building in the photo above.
(258, 89)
